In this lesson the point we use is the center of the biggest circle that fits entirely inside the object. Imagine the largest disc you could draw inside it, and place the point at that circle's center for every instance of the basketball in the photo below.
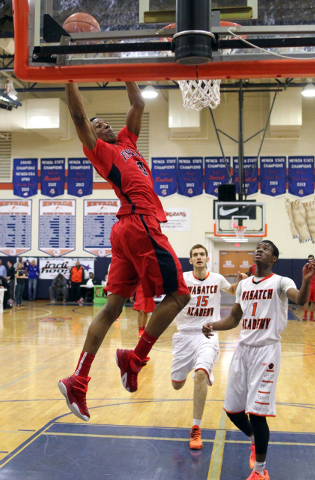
(81, 22)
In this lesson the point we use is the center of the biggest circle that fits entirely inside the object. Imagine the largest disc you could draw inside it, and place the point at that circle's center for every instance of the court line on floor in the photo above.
(21, 378)
(214, 472)
(219, 438)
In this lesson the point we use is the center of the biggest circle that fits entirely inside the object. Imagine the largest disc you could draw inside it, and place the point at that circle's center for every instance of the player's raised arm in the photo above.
(300, 297)
(226, 323)
(137, 104)
(78, 114)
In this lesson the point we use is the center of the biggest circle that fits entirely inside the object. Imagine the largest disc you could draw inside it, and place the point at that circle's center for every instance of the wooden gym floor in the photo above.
(144, 435)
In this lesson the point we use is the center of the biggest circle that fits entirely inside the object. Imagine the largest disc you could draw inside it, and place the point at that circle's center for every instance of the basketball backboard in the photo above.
(249, 216)
(131, 47)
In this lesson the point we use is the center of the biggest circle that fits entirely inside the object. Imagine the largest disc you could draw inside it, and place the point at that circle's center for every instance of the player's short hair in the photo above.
(93, 118)
(197, 246)
(310, 256)
(275, 249)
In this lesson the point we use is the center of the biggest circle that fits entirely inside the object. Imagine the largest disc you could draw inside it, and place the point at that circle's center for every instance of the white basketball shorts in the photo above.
(193, 351)
(252, 380)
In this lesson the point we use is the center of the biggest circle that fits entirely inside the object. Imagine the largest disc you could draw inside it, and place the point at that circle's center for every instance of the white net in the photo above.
(198, 94)
(239, 231)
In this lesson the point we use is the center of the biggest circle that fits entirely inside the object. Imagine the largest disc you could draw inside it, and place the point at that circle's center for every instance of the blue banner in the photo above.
(251, 179)
(301, 176)
(25, 177)
(190, 176)
(80, 177)
(52, 176)
(164, 173)
(216, 174)
(273, 175)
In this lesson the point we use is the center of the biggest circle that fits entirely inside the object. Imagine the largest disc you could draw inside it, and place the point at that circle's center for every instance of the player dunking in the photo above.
(262, 305)
(139, 249)
(191, 350)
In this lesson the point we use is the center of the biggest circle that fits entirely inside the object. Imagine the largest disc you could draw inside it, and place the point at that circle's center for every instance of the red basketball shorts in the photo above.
(143, 304)
(140, 251)
(311, 297)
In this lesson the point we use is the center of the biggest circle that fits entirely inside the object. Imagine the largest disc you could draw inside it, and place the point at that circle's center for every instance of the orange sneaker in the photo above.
(195, 438)
(256, 476)
(252, 458)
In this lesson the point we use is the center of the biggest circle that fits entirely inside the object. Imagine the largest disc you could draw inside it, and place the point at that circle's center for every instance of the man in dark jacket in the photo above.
(10, 278)
(6, 296)
(58, 287)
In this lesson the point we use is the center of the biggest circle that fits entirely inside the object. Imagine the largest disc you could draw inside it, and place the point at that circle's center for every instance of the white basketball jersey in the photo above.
(265, 309)
(204, 305)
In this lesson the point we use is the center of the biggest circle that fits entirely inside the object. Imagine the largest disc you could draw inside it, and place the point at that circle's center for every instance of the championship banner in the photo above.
(15, 226)
(52, 176)
(80, 177)
(56, 227)
(301, 176)
(273, 176)
(251, 179)
(99, 218)
(49, 268)
(190, 176)
(164, 173)
(25, 177)
(178, 219)
(216, 174)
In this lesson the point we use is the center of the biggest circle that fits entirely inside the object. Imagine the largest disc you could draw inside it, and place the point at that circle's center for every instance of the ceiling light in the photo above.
(149, 92)
(309, 90)
(234, 239)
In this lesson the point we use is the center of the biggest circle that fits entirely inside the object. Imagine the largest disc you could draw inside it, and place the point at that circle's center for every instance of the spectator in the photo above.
(4, 284)
(33, 274)
(58, 287)
(10, 278)
(76, 279)
(20, 280)
(3, 270)
(87, 292)
(19, 260)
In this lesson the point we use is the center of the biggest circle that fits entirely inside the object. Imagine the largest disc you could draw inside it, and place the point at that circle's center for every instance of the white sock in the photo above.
(197, 422)
(252, 438)
(260, 467)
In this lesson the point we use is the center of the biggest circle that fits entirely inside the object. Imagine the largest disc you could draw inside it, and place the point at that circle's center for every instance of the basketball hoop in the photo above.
(239, 230)
(198, 94)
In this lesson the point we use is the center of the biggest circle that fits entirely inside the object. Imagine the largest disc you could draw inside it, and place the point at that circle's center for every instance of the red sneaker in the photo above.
(304, 318)
(130, 365)
(256, 476)
(252, 458)
(74, 390)
(312, 319)
(141, 330)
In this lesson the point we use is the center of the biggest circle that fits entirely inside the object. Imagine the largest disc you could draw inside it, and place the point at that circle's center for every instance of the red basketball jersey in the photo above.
(129, 174)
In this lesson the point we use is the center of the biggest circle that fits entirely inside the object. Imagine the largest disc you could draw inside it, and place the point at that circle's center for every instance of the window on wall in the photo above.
(5, 157)
(117, 121)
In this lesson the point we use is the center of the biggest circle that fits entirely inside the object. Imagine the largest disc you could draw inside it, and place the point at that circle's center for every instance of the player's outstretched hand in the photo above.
(207, 330)
(308, 270)
(241, 276)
